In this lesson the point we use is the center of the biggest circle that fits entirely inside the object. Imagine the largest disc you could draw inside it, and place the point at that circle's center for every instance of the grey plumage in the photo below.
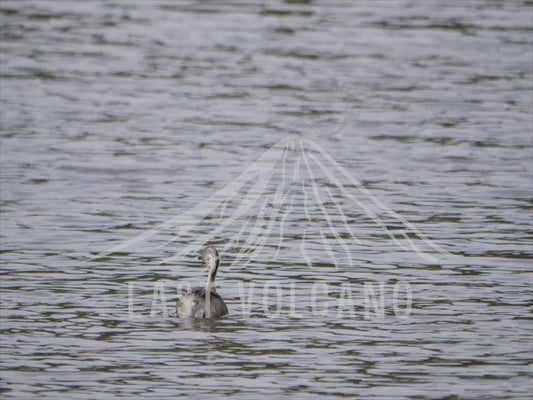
(193, 304)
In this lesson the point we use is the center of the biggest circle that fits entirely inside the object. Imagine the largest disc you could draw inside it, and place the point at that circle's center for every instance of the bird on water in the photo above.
(204, 302)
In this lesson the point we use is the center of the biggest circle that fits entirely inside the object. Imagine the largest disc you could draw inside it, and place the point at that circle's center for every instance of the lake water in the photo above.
(364, 168)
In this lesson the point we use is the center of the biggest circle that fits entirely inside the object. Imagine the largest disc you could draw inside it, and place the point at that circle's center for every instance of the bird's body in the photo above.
(193, 304)
(204, 302)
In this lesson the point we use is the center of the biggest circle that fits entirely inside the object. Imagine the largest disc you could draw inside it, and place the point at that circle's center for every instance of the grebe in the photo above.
(204, 302)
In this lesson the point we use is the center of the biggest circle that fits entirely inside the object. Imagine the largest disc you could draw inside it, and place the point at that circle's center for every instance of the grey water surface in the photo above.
(337, 153)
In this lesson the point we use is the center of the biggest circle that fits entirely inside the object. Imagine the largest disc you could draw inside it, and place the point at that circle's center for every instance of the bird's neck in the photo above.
(210, 284)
